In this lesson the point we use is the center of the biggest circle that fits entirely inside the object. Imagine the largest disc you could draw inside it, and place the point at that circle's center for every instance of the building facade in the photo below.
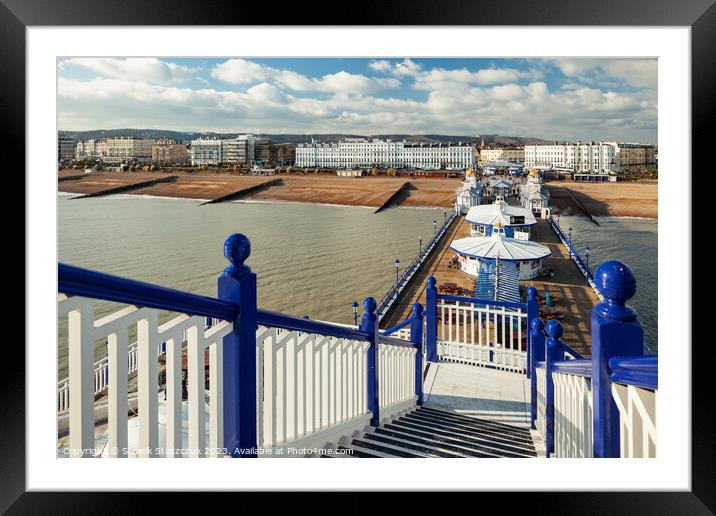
(124, 149)
(364, 152)
(590, 158)
(65, 148)
(168, 151)
(205, 151)
(276, 153)
(86, 149)
(509, 155)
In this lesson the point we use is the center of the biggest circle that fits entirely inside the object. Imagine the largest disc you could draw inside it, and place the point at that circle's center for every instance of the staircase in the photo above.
(428, 432)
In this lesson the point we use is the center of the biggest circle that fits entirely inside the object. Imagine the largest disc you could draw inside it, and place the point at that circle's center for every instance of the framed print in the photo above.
(434, 235)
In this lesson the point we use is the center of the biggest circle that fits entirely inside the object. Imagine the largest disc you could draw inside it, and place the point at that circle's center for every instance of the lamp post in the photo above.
(397, 268)
(420, 245)
(444, 216)
(586, 262)
(569, 232)
(355, 313)
(435, 227)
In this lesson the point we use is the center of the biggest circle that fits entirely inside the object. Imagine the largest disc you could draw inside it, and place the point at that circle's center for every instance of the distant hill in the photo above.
(489, 139)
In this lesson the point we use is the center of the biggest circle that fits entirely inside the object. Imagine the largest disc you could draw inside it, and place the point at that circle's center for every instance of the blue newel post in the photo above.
(369, 324)
(431, 321)
(554, 352)
(537, 355)
(532, 314)
(615, 332)
(416, 337)
(238, 284)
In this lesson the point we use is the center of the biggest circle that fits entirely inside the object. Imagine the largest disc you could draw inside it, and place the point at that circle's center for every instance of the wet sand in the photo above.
(618, 199)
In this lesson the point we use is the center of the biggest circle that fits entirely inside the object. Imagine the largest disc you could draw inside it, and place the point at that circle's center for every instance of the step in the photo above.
(387, 449)
(409, 445)
(361, 453)
(484, 443)
(506, 439)
(469, 420)
(502, 437)
(430, 444)
(473, 449)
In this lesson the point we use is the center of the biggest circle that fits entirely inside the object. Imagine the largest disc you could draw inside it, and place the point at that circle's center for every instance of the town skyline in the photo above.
(549, 99)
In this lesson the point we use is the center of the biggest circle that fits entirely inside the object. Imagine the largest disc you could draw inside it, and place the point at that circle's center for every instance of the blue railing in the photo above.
(573, 253)
(617, 357)
(394, 291)
(237, 303)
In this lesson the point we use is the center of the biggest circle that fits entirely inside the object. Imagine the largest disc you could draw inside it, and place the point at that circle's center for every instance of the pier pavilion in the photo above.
(526, 256)
(469, 194)
(514, 219)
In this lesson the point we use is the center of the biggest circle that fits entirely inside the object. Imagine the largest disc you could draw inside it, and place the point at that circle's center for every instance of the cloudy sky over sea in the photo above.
(587, 99)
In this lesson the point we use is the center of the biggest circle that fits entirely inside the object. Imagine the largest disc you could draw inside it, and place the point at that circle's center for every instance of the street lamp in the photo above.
(444, 216)
(397, 268)
(569, 231)
(435, 227)
(355, 313)
(420, 245)
(586, 262)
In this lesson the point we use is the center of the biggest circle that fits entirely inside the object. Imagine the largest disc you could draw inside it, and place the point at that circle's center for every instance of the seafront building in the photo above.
(214, 151)
(123, 149)
(167, 151)
(587, 160)
(65, 148)
(493, 155)
(364, 152)
(205, 151)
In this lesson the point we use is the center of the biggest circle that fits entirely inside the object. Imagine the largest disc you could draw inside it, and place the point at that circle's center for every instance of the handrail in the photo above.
(637, 371)
(395, 328)
(76, 281)
(576, 354)
(507, 304)
(394, 341)
(578, 367)
(290, 322)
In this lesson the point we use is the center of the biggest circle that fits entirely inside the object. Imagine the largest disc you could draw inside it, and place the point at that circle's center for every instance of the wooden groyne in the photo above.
(397, 196)
(127, 187)
(244, 192)
(581, 206)
(70, 178)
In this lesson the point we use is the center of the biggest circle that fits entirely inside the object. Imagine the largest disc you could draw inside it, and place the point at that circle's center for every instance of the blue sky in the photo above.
(579, 98)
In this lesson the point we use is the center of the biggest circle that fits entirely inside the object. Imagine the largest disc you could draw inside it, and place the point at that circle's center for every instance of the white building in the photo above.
(241, 149)
(586, 158)
(124, 149)
(86, 149)
(205, 151)
(492, 155)
(364, 152)
(515, 220)
(534, 195)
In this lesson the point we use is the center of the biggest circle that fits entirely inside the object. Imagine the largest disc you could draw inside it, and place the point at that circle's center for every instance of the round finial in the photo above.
(418, 310)
(531, 293)
(554, 329)
(369, 305)
(237, 249)
(616, 282)
(355, 304)
(431, 281)
(537, 325)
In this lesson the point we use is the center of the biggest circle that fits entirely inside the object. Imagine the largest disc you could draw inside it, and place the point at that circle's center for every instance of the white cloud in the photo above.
(634, 72)
(380, 65)
(148, 69)
(242, 71)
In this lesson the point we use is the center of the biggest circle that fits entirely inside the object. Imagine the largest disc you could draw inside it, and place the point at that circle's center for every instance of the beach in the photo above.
(617, 199)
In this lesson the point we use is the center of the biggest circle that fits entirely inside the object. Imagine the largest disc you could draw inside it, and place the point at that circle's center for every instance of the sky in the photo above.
(569, 99)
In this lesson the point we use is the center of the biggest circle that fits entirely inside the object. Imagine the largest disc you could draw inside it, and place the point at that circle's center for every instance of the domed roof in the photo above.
(498, 246)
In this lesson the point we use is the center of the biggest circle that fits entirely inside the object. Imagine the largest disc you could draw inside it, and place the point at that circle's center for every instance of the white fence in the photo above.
(573, 427)
(311, 388)
(83, 331)
(396, 379)
(541, 423)
(483, 335)
(637, 420)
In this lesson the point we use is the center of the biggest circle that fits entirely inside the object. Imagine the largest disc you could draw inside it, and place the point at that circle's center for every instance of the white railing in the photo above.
(483, 335)
(311, 389)
(396, 379)
(541, 422)
(83, 331)
(637, 420)
(572, 415)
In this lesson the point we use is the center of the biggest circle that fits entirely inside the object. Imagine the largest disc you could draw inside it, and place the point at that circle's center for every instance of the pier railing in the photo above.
(603, 406)
(476, 331)
(393, 293)
(258, 383)
(574, 255)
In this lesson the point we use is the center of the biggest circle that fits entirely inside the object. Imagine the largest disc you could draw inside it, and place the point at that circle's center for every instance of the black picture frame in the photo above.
(700, 15)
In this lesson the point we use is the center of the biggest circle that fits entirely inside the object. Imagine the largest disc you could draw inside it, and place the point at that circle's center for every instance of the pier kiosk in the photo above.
(469, 194)
(526, 255)
(515, 220)
(533, 194)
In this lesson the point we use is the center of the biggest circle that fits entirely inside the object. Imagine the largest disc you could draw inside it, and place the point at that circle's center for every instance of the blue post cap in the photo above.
(237, 249)
(355, 304)
(616, 282)
(554, 329)
(418, 310)
(531, 293)
(537, 325)
(431, 282)
(369, 305)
